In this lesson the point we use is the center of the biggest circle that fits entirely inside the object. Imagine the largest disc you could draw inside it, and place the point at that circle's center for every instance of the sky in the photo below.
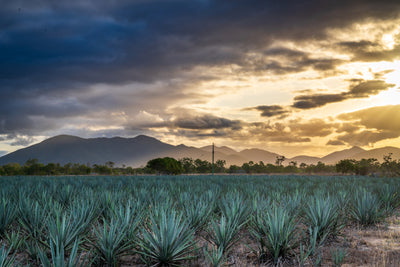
(288, 76)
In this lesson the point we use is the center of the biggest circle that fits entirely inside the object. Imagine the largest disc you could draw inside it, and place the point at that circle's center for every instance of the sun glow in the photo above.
(394, 77)
(391, 96)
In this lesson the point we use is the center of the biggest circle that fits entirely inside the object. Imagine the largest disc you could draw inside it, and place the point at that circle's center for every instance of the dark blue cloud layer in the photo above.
(53, 49)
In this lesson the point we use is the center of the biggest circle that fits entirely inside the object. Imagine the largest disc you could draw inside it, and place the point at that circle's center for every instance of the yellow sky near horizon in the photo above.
(292, 97)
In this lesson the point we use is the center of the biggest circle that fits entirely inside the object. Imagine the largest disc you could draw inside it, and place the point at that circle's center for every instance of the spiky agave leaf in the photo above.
(216, 257)
(366, 208)
(111, 242)
(390, 198)
(277, 233)
(167, 239)
(15, 239)
(84, 211)
(197, 211)
(129, 217)
(224, 233)
(322, 213)
(235, 208)
(7, 214)
(63, 230)
(338, 255)
(5, 259)
(31, 218)
(59, 259)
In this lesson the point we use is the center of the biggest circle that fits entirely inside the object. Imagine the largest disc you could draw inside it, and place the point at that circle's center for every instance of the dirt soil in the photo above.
(375, 246)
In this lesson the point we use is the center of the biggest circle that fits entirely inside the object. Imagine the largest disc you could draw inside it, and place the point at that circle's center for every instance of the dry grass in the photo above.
(377, 246)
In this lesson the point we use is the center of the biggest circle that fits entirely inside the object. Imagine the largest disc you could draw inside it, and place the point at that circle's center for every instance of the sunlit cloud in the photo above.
(243, 73)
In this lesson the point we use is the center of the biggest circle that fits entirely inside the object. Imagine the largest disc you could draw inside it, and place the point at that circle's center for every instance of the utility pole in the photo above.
(212, 159)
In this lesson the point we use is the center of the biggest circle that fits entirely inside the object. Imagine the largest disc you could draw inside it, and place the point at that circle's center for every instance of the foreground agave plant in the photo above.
(390, 199)
(224, 233)
(234, 207)
(31, 217)
(63, 230)
(110, 243)
(197, 211)
(59, 259)
(323, 214)
(7, 214)
(276, 233)
(215, 257)
(366, 209)
(167, 240)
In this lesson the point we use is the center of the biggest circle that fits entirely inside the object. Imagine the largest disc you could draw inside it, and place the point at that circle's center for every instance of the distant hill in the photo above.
(334, 157)
(66, 148)
(257, 155)
(379, 153)
(140, 149)
(305, 159)
(129, 151)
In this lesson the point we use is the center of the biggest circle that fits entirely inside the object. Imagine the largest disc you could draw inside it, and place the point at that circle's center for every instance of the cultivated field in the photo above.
(199, 221)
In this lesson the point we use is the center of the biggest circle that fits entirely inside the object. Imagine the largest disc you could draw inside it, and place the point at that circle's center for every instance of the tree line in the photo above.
(171, 166)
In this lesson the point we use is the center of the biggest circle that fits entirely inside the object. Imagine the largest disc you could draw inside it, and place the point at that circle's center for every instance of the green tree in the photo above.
(366, 166)
(188, 165)
(220, 166)
(33, 167)
(390, 167)
(102, 169)
(346, 166)
(52, 169)
(11, 169)
(279, 160)
(203, 166)
(235, 169)
(248, 167)
(165, 165)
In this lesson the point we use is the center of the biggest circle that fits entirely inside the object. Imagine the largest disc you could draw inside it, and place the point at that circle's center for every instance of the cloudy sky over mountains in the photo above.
(294, 77)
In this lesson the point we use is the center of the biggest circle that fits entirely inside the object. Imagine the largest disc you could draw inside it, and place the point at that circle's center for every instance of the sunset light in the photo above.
(288, 77)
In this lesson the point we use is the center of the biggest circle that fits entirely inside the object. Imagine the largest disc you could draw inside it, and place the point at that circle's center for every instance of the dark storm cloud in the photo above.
(22, 141)
(282, 60)
(358, 89)
(271, 111)
(206, 122)
(335, 143)
(17, 140)
(370, 51)
(317, 100)
(52, 50)
(195, 123)
(199, 126)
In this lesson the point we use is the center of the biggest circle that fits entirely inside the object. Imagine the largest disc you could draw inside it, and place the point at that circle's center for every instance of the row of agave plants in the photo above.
(97, 221)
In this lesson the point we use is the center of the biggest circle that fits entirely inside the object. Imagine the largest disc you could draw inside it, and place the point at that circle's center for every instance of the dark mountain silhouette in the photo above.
(379, 153)
(343, 154)
(257, 155)
(304, 159)
(137, 151)
(65, 149)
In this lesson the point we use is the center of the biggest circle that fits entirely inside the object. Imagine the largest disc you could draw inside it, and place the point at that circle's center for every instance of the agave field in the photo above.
(195, 220)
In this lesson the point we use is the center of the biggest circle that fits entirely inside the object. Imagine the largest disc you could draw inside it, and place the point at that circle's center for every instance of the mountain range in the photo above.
(137, 151)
